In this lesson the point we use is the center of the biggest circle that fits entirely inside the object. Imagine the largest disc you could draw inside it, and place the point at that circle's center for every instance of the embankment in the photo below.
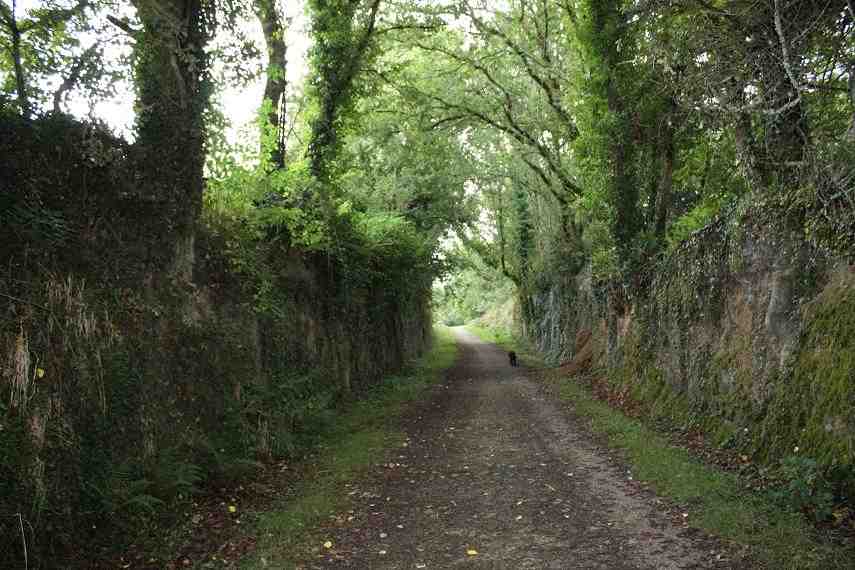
(747, 330)
(127, 383)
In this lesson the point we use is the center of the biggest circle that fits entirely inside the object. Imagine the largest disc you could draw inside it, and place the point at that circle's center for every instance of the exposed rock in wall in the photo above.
(730, 325)
(553, 316)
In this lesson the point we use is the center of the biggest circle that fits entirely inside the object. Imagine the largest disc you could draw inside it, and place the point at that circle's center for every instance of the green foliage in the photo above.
(138, 490)
(64, 47)
(342, 31)
(469, 290)
(805, 488)
(693, 220)
(296, 408)
(173, 476)
(125, 494)
(607, 98)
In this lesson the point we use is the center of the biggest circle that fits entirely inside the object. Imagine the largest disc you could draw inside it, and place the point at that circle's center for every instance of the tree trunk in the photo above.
(666, 180)
(787, 136)
(746, 146)
(781, 78)
(172, 94)
(277, 82)
(607, 31)
(524, 234)
(20, 78)
(339, 59)
(850, 134)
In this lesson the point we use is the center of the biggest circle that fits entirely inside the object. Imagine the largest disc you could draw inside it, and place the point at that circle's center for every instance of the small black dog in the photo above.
(512, 356)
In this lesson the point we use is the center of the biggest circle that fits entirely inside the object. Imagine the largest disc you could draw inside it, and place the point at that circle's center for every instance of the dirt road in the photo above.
(497, 474)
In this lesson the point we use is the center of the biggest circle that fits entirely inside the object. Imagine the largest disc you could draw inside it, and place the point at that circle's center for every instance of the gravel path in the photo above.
(497, 474)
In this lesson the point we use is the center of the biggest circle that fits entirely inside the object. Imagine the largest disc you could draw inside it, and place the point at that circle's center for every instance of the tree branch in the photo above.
(547, 85)
(512, 126)
(52, 17)
(785, 52)
(399, 27)
(15, 49)
(74, 75)
(124, 26)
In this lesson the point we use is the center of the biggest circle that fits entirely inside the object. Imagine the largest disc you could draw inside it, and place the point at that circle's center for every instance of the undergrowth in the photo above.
(358, 438)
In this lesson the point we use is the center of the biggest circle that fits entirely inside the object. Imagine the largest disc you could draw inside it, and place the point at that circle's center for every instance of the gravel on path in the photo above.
(497, 473)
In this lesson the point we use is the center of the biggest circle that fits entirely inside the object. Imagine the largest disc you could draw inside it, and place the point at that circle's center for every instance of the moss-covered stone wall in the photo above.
(124, 385)
(746, 331)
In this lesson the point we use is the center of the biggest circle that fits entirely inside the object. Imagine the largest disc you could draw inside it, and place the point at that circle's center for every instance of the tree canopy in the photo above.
(543, 133)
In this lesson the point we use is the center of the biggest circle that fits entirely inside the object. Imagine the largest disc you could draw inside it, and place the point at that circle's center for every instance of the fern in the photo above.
(173, 476)
(124, 493)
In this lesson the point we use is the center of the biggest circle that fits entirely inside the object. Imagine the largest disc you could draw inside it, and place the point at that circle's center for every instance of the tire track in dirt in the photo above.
(494, 465)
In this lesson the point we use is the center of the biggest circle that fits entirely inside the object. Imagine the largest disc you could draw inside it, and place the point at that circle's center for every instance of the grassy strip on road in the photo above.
(716, 501)
(359, 438)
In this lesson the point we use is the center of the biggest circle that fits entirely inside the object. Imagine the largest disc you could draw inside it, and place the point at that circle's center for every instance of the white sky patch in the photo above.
(240, 104)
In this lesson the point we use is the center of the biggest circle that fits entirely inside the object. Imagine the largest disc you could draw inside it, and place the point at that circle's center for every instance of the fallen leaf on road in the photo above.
(328, 544)
(471, 552)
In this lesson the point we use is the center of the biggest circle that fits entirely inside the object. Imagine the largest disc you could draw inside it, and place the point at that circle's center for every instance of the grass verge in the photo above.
(359, 438)
(717, 502)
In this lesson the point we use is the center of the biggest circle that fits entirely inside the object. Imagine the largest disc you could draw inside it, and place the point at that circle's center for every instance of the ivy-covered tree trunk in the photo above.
(340, 50)
(606, 35)
(172, 94)
(778, 35)
(8, 17)
(276, 85)
(524, 234)
(668, 150)
(786, 125)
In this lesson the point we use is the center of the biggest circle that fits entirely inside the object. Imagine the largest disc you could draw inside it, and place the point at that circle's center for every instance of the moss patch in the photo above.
(812, 410)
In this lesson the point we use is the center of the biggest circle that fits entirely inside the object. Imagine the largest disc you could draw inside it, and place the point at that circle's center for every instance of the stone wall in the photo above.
(124, 384)
(745, 330)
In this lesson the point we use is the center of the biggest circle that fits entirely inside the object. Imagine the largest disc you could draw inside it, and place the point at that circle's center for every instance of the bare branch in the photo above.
(400, 27)
(785, 52)
(74, 75)
(449, 119)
